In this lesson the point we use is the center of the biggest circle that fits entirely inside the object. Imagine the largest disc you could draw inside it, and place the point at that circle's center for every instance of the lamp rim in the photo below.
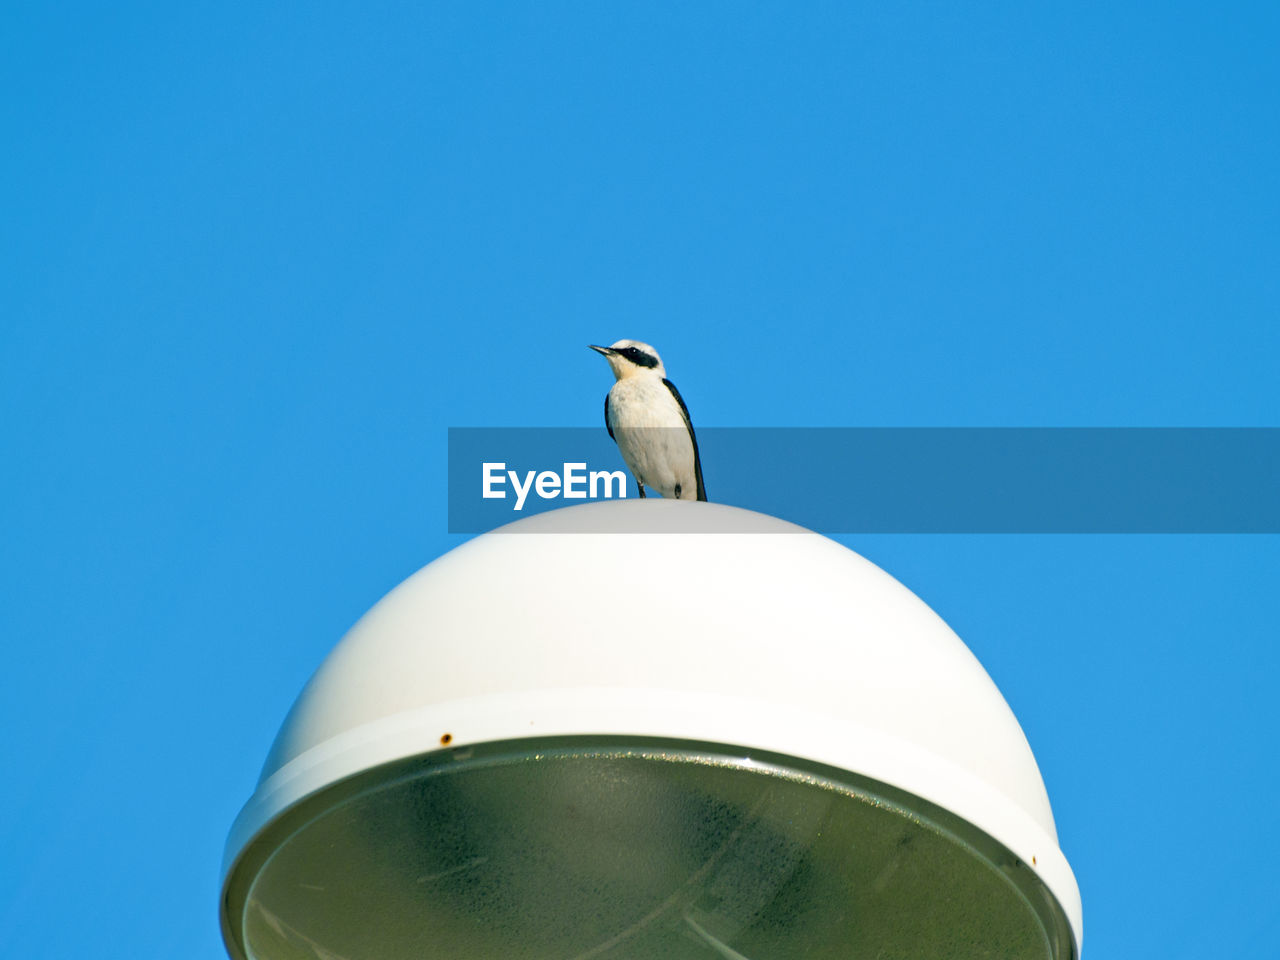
(748, 726)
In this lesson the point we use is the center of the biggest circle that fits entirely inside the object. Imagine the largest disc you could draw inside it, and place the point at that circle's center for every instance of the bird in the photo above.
(648, 420)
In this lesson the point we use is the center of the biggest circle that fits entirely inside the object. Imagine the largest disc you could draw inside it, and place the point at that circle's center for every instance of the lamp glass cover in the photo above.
(628, 849)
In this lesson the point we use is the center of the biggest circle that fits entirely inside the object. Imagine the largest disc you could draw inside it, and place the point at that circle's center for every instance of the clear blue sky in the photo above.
(255, 262)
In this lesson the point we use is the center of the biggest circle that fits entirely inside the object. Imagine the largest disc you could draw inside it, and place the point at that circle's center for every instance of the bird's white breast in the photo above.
(652, 436)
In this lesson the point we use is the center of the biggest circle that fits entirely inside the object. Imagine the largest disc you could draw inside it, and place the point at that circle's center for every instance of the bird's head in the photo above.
(631, 358)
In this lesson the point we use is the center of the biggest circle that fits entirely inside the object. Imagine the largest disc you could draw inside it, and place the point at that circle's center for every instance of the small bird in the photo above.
(649, 422)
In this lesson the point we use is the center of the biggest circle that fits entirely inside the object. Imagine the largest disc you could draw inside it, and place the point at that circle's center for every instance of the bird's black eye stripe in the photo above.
(639, 357)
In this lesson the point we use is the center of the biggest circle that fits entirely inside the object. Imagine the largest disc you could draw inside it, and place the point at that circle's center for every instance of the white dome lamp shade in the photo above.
(566, 745)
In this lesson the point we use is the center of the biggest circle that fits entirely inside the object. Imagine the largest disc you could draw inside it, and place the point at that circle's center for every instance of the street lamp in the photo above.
(571, 739)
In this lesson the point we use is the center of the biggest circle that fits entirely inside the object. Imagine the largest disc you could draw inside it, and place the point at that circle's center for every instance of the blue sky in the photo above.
(257, 261)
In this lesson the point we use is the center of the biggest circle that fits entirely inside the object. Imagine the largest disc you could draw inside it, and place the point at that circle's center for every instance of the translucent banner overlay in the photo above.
(902, 479)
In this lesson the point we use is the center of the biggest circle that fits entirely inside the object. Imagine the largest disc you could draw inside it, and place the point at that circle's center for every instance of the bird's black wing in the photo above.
(607, 425)
(697, 461)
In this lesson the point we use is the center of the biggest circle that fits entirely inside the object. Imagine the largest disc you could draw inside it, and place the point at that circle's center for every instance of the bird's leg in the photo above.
(640, 486)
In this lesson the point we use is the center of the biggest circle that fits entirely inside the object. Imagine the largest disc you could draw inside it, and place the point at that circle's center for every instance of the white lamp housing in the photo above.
(609, 743)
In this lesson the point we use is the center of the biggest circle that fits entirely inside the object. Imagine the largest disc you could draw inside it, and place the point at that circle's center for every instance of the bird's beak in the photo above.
(603, 351)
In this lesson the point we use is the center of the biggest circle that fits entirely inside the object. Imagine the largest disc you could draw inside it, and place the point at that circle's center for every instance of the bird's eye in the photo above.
(638, 357)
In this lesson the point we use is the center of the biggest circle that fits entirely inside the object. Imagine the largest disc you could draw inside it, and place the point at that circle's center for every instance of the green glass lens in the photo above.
(572, 850)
